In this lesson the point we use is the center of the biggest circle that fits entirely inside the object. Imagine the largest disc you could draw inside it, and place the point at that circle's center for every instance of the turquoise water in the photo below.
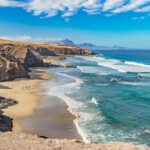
(110, 95)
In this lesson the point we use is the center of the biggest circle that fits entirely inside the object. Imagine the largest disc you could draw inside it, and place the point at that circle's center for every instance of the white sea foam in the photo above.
(134, 83)
(83, 118)
(95, 70)
(118, 65)
(61, 91)
(136, 64)
(90, 69)
(147, 131)
(147, 75)
(94, 101)
(81, 132)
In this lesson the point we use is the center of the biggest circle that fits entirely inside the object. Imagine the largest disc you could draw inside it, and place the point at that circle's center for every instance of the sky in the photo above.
(103, 22)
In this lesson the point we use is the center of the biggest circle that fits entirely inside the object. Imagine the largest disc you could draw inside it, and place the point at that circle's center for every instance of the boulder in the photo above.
(6, 123)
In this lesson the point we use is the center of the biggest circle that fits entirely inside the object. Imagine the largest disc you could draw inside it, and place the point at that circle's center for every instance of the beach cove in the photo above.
(60, 136)
(55, 98)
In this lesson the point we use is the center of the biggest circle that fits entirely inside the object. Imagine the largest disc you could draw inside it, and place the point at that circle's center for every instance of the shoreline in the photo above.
(51, 117)
(39, 139)
(24, 119)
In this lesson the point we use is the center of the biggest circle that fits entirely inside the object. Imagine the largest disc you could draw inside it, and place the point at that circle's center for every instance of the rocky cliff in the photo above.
(43, 49)
(17, 57)
(10, 68)
(27, 56)
(68, 50)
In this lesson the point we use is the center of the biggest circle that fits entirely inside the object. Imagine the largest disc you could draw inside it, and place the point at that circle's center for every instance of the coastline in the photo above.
(39, 76)
(26, 115)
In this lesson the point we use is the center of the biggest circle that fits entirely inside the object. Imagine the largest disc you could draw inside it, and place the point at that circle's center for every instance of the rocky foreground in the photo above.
(6, 123)
(23, 141)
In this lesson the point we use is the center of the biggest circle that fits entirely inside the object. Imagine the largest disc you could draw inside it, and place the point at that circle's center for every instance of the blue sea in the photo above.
(109, 93)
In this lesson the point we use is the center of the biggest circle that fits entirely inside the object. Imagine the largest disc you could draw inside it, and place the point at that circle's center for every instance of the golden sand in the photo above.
(25, 92)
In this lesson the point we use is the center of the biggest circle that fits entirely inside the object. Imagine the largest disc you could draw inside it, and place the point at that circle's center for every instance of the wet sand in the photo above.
(51, 119)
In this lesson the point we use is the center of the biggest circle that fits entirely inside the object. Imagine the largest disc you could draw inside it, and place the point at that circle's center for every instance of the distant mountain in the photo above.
(87, 45)
(59, 41)
(96, 47)
(62, 42)
(68, 42)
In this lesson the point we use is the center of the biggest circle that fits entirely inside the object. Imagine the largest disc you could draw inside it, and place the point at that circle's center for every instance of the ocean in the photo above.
(109, 93)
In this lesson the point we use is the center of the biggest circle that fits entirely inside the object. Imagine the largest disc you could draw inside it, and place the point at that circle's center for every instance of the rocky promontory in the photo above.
(43, 49)
(11, 68)
(17, 57)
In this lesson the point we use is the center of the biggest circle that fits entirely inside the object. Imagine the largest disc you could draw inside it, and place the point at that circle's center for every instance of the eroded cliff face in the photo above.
(43, 49)
(16, 57)
(27, 56)
(11, 69)
(67, 50)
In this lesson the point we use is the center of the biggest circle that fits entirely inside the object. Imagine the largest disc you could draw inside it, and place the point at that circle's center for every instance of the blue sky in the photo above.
(103, 22)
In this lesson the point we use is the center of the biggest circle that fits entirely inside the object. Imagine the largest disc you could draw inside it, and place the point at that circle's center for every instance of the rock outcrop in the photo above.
(42, 49)
(17, 57)
(6, 123)
(27, 56)
(68, 50)
(10, 68)
(4, 103)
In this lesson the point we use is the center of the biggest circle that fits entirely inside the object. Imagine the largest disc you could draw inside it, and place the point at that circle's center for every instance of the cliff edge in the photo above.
(17, 57)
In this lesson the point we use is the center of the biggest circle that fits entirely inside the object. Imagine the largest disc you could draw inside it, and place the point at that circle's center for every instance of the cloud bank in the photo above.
(67, 8)
(37, 40)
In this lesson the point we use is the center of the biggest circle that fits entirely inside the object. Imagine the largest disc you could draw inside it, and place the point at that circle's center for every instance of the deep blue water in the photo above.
(110, 94)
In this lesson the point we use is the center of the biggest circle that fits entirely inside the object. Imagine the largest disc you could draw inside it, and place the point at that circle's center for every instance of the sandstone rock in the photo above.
(42, 49)
(11, 69)
(16, 57)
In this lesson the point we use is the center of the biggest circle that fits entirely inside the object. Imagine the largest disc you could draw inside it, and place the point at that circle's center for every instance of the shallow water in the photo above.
(110, 94)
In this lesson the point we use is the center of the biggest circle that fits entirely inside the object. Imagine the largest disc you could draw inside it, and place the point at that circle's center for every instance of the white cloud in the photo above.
(110, 4)
(39, 40)
(11, 3)
(67, 8)
(64, 7)
(143, 9)
(131, 6)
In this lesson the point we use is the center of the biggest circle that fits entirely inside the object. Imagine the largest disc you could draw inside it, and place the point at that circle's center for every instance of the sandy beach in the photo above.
(36, 111)
(51, 119)
(25, 92)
